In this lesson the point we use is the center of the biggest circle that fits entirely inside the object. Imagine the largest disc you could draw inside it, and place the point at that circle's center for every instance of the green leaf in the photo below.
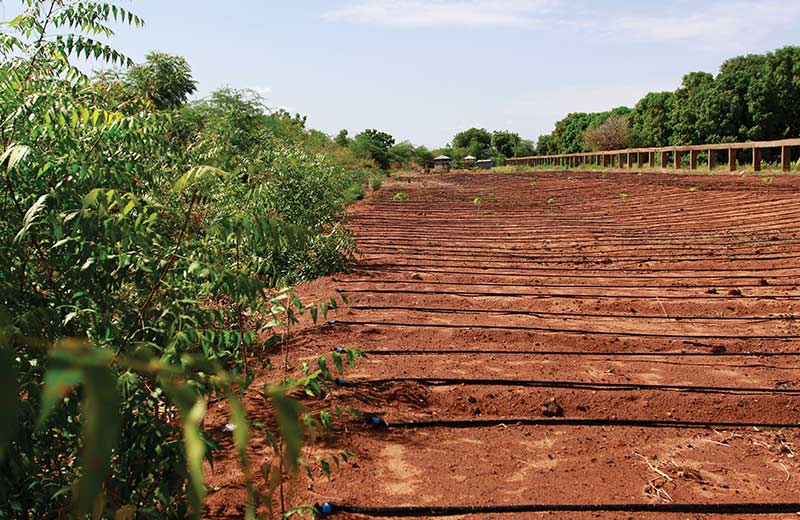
(100, 433)
(195, 447)
(59, 381)
(325, 419)
(192, 409)
(197, 176)
(241, 433)
(288, 411)
(14, 155)
(30, 216)
(337, 360)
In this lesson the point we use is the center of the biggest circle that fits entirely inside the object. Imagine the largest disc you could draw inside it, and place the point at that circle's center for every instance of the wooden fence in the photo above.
(639, 156)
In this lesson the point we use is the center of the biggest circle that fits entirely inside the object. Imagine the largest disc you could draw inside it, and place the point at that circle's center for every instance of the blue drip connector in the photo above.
(340, 290)
(337, 279)
(326, 508)
(377, 422)
(332, 322)
(341, 350)
(341, 382)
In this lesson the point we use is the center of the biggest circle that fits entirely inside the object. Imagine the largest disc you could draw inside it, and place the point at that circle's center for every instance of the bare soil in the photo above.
(535, 295)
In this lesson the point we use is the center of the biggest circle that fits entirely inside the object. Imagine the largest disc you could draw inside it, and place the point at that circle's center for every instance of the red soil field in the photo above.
(622, 296)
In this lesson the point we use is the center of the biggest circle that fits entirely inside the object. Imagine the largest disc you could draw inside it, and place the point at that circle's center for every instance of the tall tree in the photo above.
(164, 79)
(651, 120)
(475, 141)
(374, 144)
(690, 116)
(505, 142)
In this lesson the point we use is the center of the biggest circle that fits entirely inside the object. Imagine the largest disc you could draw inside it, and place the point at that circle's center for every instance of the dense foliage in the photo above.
(144, 247)
(752, 98)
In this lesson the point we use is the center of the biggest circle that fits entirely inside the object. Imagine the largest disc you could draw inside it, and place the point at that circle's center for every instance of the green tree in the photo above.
(524, 148)
(341, 138)
(505, 142)
(651, 121)
(544, 145)
(475, 141)
(375, 145)
(691, 117)
(164, 79)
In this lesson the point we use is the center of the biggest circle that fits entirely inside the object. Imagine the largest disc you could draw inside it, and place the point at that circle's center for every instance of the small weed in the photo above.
(766, 180)
(374, 181)
(488, 212)
(693, 188)
(551, 200)
(401, 196)
(477, 200)
(623, 195)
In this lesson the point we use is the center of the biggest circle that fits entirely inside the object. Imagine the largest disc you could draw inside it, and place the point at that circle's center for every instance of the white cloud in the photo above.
(719, 24)
(443, 13)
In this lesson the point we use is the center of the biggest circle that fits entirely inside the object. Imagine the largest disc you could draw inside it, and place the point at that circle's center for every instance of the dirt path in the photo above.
(624, 297)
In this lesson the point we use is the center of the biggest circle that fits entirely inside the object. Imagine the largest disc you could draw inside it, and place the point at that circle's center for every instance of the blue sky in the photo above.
(423, 70)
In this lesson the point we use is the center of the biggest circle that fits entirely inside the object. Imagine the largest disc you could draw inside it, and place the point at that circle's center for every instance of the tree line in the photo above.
(480, 143)
(752, 98)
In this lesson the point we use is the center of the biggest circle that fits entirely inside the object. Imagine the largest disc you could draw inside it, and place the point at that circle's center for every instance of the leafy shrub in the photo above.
(142, 262)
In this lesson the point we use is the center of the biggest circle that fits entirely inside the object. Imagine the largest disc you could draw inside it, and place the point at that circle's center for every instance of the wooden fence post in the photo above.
(664, 159)
(756, 159)
(693, 159)
(786, 158)
(731, 159)
(712, 160)
(652, 159)
(678, 155)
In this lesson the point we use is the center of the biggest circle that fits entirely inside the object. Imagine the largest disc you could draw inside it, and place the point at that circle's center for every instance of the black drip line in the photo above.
(418, 267)
(565, 331)
(576, 385)
(471, 294)
(332, 508)
(511, 312)
(381, 424)
(427, 352)
(589, 286)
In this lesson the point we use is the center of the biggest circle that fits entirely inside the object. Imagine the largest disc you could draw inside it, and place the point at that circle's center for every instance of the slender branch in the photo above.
(170, 262)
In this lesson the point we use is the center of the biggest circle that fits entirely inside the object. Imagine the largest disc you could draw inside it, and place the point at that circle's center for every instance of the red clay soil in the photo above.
(510, 290)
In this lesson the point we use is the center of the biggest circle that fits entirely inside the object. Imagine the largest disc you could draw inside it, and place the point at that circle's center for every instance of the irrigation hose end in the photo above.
(377, 422)
(326, 509)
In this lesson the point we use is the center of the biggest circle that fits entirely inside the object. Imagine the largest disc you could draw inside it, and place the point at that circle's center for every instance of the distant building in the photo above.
(486, 164)
(469, 161)
(441, 163)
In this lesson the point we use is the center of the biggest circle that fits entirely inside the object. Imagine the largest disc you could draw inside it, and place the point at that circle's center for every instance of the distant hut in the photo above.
(486, 164)
(469, 162)
(441, 163)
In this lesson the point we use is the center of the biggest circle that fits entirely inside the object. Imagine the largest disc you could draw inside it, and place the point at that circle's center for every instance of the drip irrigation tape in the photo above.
(584, 286)
(469, 294)
(425, 352)
(441, 310)
(577, 385)
(332, 508)
(565, 331)
(380, 423)
(418, 267)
